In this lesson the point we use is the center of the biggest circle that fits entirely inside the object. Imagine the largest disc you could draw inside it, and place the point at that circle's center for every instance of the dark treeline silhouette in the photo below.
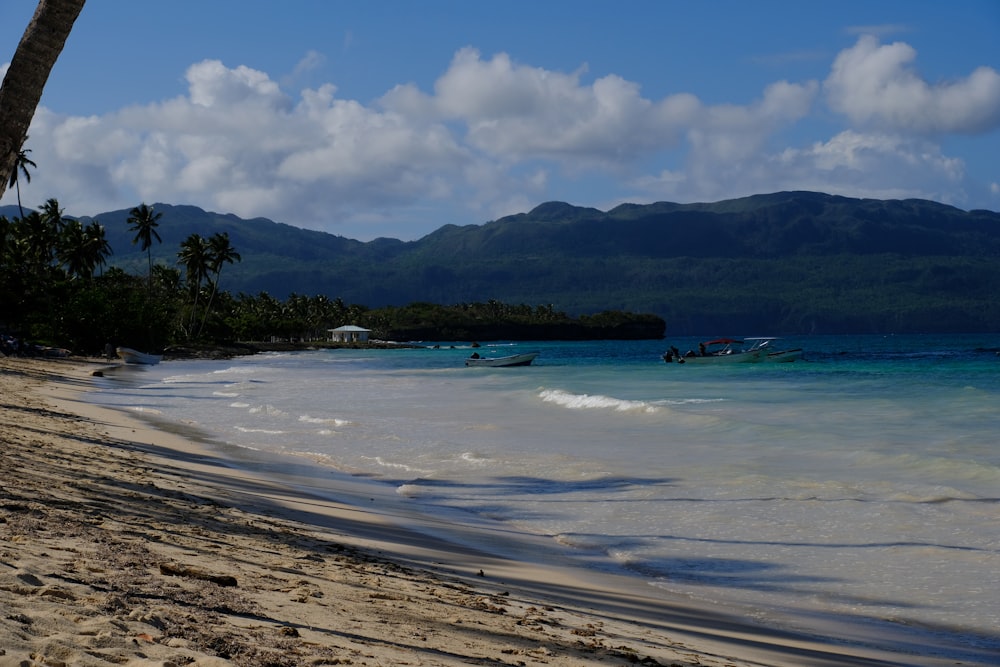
(55, 289)
(782, 263)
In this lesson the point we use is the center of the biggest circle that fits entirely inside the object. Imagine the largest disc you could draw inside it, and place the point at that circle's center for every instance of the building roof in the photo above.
(347, 328)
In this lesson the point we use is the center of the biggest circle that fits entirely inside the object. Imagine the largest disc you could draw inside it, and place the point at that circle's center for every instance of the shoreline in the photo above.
(119, 540)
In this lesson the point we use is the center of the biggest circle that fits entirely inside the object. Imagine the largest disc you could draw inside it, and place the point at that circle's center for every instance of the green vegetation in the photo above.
(52, 292)
(49, 291)
(494, 320)
(785, 263)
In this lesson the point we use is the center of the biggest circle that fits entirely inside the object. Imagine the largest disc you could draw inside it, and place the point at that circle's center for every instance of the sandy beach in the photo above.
(122, 544)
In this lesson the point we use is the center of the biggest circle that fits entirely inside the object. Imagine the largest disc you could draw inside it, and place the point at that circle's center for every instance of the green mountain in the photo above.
(789, 262)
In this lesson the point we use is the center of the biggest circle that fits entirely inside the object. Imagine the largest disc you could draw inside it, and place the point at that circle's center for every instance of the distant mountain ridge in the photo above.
(787, 262)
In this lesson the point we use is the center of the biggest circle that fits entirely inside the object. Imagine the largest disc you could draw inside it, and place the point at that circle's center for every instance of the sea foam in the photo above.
(587, 401)
(322, 420)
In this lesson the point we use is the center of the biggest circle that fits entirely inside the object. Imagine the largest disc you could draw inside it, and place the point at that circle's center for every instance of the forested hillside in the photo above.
(791, 262)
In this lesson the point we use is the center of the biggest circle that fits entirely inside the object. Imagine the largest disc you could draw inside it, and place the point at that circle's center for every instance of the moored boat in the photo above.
(717, 351)
(523, 359)
(772, 355)
(785, 355)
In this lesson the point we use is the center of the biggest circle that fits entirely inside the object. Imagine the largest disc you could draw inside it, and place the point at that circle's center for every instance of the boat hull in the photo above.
(784, 355)
(750, 356)
(502, 362)
(710, 352)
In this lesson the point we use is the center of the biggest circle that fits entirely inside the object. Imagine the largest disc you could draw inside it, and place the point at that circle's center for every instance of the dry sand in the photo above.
(125, 545)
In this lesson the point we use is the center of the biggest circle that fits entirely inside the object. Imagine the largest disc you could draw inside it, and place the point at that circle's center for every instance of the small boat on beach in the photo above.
(130, 356)
(523, 359)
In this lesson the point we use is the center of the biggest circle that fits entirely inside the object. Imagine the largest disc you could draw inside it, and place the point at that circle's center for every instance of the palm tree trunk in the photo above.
(208, 307)
(29, 69)
(194, 309)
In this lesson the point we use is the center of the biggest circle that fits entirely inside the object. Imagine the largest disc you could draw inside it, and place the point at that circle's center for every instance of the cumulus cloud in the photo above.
(493, 136)
(521, 112)
(236, 142)
(212, 84)
(854, 164)
(910, 167)
(876, 84)
(731, 133)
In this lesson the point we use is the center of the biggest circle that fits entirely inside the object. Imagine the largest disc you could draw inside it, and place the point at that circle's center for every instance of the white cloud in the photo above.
(908, 167)
(845, 164)
(212, 84)
(495, 137)
(730, 134)
(876, 84)
(519, 112)
(235, 143)
(312, 60)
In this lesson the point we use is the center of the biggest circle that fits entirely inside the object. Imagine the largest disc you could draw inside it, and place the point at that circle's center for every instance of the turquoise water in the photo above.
(860, 484)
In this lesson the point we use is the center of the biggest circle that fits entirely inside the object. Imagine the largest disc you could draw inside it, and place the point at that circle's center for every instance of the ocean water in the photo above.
(860, 484)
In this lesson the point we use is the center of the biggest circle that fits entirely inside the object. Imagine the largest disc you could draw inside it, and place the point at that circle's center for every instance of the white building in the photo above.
(349, 334)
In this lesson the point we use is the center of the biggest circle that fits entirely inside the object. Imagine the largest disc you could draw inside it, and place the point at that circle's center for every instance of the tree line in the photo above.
(55, 290)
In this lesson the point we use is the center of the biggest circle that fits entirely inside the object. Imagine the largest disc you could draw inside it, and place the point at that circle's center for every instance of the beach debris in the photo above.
(57, 592)
(175, 570)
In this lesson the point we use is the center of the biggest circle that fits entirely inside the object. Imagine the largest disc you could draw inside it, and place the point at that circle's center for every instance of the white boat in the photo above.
(773, 355)
(131, 356)
(718, 351)
(785, 355)
(523, 359)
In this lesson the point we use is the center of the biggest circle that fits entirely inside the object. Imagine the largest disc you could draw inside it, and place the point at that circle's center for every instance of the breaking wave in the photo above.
(588, 402)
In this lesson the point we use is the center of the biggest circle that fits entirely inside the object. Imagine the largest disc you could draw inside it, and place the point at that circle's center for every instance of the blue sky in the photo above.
(369, 119)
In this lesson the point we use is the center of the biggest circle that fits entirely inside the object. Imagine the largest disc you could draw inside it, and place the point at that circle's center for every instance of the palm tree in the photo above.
(143, 221)
(53, 215)
(6, 229)
(39, 234)
(168, 278)
(98, 248)
(83, 249)
(220, 251)
(30, 262)
(22, 87)
(70, 251)
(195, 256)
(21, 167)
